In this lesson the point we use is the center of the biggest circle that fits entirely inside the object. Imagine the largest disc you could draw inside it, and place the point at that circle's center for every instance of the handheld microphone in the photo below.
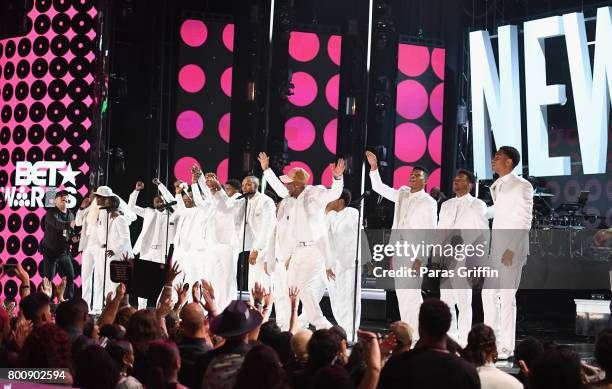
(166, 205)
(242, 196)
(365, 194)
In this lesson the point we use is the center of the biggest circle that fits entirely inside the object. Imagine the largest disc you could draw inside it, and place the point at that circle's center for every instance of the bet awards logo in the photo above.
(41, 178)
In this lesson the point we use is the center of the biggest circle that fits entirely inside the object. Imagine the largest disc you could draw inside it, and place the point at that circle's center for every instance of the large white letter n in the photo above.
(494, 98)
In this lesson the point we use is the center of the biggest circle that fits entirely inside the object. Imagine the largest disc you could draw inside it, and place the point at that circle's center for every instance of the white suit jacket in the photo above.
(118, 235)
(89, 234)
(282, 242)
(343, 228)
(511, 210)
(191, 227)
(412, 210)
(218, 226)
(314, 199)
(152, 219)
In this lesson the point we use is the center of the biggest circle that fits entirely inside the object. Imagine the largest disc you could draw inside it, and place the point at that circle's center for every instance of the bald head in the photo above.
(299, 344)
(193, 320)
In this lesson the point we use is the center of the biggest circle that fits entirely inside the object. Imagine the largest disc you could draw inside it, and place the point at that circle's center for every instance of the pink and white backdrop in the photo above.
(46, 80)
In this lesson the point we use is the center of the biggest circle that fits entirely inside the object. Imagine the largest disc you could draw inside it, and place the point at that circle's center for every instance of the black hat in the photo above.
(237, 319)
(61, 193)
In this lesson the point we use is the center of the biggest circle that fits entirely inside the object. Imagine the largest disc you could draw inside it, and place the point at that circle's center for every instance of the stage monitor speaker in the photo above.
(144, 279)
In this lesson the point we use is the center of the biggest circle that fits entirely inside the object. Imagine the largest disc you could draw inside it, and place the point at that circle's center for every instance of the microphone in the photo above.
(245, 195)
(365, 194)
(166, 205)
(101, 208)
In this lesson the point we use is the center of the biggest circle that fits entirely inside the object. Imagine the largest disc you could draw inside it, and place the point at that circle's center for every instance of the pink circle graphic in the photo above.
(182, 168)
(436, 101)
(332, 89)
(226, 82)
(327, 177)
(222, 170)
(435, 145)
(305, 90)
(189, 124)
(300, 133)
(412, 60)
(228, 37)
(224, 127)
(301, 164)
(433, 180)
(194, 32)
(192, 78)
(303, 46)
(401, 175)
(334, 48)
(330, 135)
(410, 142)
(412, 99)
(437, 62)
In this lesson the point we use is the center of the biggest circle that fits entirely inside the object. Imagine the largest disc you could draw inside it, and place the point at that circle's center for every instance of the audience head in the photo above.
(112, 332)
(343, 341)
(481, 348)
(47, 346)
(95, 369)
(526, 352)
(323, 349)
(72, 313)
(36, 307)
(123, 316)
(403, 335)
(558, 368)
(142, 328)
(236, 321)
(261, 369)
(434, 320)
(122, 353)
(193, 321)
(163, 365)
(603, 351)
(299, 344)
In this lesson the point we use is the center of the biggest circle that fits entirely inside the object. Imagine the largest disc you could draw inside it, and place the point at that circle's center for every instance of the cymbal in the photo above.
(541, 194)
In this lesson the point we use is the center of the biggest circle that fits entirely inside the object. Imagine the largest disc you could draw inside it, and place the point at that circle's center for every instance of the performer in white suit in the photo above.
(414, 210)
(343, 224)
(151, 242)
(118, 242)
(260, 219)
(307, 223)
(90, 247)
(512, 214)
(467, 215)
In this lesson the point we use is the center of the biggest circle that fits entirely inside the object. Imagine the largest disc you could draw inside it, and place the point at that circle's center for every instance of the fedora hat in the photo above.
(237, 319)
(104, 191)
(296, 174)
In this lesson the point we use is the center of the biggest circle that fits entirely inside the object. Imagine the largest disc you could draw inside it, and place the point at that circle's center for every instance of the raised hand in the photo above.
(85, 202)
(156, 181)
(372, 160)
(22, 275)
(208, 287)
(293, 295)
(181, 292)
(22, 330)
(268, 298)
(331, 276)
(372, 355)
(46, 287)
(178, 187)
(196, 292)
(253, 257)
(209, 303)
(164, 307)
(172, 274)
(258, 293)
(264, 160)
(338, 169)
(139, 186)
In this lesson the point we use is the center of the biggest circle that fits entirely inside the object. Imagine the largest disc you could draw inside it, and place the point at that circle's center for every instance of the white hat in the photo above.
(104, 191)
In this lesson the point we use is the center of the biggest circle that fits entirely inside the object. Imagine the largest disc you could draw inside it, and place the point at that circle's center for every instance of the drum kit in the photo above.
(562, 231)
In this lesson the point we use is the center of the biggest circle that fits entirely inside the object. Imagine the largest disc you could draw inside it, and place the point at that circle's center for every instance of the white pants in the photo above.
(220, 270)
(341, 293)
(461, 326)
(499, 304)
(307, 272)
(191, 264)
(92, 271)
(280, 290)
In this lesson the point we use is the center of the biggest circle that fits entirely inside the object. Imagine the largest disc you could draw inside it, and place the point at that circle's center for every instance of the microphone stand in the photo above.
(241, 274)
(105, 261)
(167, 258)
(354, 330)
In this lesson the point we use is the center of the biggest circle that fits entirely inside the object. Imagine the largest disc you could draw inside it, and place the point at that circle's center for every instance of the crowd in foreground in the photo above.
(190, 344)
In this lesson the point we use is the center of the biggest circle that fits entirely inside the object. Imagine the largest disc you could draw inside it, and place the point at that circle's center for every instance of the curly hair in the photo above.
(481, 345)
(54, 354)
(142, 327)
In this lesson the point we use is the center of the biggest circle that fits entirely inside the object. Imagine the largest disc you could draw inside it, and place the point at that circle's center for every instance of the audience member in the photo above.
(481, 351)
(164, 363)
(37, 308)
(95, 369)
(421, 367)
(194, 343)
(142, 329)
(261, 369)
(525, 353)
(557, 368)
(122, 354)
